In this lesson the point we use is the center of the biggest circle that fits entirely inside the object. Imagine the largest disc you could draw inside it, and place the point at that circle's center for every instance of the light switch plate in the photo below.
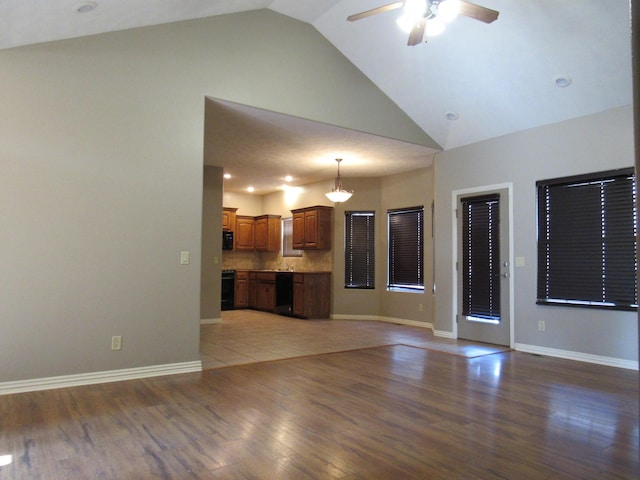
(184, 258)
(519, 261)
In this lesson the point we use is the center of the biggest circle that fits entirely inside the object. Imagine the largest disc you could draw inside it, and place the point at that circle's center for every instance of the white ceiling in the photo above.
(498, 77)
(250, 140)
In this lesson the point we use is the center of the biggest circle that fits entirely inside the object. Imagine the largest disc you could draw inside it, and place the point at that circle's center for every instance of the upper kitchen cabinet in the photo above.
(245, 233)
(229, 219)
(260, 233)
(268, 233)
(312, 228)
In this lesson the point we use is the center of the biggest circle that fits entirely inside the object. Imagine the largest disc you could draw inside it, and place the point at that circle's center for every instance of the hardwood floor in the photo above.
(380, 412)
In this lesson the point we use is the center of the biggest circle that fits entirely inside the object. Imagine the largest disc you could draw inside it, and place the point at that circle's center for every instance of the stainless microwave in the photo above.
(227, 240)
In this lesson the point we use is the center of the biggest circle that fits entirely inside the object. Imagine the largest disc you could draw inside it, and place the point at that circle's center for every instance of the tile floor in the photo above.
(249, 336)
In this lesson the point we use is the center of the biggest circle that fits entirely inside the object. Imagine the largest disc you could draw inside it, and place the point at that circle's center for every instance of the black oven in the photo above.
(228, 289)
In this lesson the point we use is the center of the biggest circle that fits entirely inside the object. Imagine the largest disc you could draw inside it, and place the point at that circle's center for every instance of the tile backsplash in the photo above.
(310, 261)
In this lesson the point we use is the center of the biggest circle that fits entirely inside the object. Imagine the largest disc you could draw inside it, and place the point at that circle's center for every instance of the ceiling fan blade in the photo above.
(483, 14)
(374, 11)
(417, 33)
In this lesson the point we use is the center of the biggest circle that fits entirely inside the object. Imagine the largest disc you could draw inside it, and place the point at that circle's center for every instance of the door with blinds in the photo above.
(483, 267)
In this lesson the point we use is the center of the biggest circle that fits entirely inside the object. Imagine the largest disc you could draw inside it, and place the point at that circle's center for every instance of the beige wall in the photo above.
(101, 159)
(410, 189)
(356, 302)
(246, 203)
(210, 294)
(589, 144)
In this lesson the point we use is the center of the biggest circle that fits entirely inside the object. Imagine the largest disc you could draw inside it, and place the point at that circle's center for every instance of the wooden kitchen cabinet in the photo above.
(312, 228)
(312, 295)
(268, 233)
(266, 291)
(229, 219)
(245, 233)
(241, 289)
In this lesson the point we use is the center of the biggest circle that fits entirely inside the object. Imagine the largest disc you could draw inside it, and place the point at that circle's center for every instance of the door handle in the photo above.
(502, 275)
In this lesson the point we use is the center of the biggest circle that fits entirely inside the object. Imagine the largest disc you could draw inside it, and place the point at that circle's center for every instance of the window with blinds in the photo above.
(587, 241)
(359, 250)
(406, 248)
(481, 257)
(287, 239)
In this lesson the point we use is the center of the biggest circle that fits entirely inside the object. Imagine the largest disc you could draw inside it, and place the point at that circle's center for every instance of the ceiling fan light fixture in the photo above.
(414, 11)
(415, 8)
(407, 22)
(434, 27)
(448, 10)
(339, 194)
(429, 15)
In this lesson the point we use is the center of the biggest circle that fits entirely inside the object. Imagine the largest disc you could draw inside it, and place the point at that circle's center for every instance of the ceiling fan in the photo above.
(429, 16)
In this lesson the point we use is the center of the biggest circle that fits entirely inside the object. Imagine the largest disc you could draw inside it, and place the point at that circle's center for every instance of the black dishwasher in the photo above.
(284, 293)
(228, 289)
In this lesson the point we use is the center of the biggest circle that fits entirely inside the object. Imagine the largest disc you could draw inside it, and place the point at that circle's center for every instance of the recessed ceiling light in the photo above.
(451, 116)
(562, 81)
(250, 189)
(288, 178)
(85, 7)
(227, 175)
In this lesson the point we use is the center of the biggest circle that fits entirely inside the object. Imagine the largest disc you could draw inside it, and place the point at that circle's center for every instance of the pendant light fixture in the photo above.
(338, 194)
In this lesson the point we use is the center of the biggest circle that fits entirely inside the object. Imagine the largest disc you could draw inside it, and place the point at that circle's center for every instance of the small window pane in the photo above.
(287, 239)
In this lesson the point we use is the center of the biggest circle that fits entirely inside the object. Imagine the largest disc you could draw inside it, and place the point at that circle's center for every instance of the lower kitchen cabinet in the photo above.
(312, 295)
(311, 292)
(265, 291)
(241, 298)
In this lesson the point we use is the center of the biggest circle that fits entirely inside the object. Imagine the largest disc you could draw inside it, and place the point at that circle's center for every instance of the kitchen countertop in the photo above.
(280, 271)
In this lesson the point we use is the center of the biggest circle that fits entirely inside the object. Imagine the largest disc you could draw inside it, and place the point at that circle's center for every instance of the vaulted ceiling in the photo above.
(473, 82)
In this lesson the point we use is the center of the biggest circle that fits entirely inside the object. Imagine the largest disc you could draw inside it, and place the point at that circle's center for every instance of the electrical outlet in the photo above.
(116, 342)
(420, 307)
(541, 326)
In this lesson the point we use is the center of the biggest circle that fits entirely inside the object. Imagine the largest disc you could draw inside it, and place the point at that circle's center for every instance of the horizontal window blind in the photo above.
(481, 257)
(587, 240)
(406, 248)
(359, 251)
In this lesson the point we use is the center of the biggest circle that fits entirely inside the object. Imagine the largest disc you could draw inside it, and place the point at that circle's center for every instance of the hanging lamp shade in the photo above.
(338, 194)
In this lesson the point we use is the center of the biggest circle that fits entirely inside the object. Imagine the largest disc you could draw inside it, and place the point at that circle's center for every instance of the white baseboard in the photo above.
(65, 381)
(578, 356)
(443, 334)
(379, 318)
(550, 352)
(210, 321)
